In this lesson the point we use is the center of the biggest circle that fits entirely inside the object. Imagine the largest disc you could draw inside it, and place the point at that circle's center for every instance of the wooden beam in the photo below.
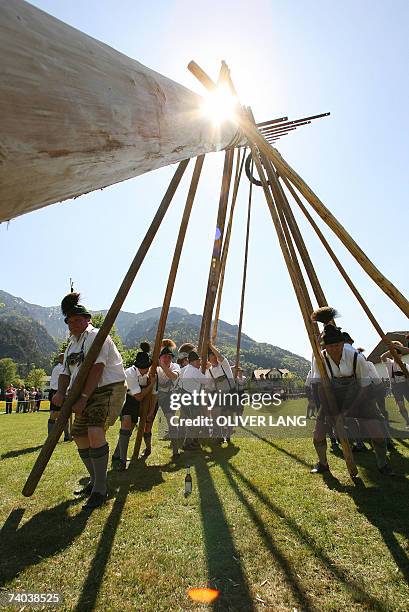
(226, 243)
(253, 134)
(244, 279)
(215, 262)
(76, 115)
(51, 442)
(149, 401)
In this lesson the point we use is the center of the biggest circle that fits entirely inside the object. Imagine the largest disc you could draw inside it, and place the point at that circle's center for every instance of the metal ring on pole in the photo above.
(249, 175)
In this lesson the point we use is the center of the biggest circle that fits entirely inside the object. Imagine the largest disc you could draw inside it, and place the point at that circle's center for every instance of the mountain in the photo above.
(53, 321)
(25, 341)
(133, 328)
(184, 327)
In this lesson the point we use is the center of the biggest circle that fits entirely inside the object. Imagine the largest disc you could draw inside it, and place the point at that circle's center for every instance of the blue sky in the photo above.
(286, 58)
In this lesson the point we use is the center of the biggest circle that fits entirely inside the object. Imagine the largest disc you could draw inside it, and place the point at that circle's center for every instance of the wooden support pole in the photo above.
(73, 394)
(346, 277)
(147, 404)
(253, 135)
(215, 263)
(244, 279)
(302, 249)
(306, 315)
(226, 243)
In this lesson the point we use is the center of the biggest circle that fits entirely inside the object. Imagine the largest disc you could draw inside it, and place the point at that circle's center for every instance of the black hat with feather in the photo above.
(325, 315)
(70, 306)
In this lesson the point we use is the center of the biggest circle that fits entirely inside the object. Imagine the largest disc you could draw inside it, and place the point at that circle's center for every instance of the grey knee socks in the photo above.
(99, 458)
(124, 437)
(84, 453)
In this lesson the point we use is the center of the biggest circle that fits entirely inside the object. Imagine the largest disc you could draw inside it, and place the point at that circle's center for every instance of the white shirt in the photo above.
(109, 356)
(135, 380)
(193, 379)
(57, 370)
(392, 368)
(222, 369)
(164, 383)
(345, 368)
(372, 373)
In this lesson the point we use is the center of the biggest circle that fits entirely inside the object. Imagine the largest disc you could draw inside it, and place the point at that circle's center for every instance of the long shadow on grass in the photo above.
(290, 576)
(279, 448)
(225, 570)
(44, 535)
(385, 506)
(146, 477)
(22, 451)
(355, 589)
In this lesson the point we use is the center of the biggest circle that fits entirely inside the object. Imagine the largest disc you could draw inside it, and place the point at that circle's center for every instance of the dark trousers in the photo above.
(9, 407)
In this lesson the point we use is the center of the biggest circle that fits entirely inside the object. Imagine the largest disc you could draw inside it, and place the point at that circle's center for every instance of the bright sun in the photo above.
(220, 105)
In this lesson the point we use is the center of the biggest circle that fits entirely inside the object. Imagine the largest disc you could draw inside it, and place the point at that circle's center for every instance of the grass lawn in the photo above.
(257, 526)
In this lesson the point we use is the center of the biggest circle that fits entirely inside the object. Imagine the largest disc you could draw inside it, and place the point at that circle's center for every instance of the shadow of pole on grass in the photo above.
(299, 594)
(385, 507)
(225, 570)
(44, 535)
(23, 451)
(146, 477)
(355, 589)
(276, 447)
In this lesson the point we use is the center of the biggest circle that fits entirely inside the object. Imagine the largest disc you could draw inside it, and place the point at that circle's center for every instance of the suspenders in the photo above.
(330, 368)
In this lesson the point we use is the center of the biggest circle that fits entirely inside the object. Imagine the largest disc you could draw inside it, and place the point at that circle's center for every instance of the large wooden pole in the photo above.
(49, 445)
(244, 279)
(149, 401)
(253, 134)
(76, 115)
(301, 292)
(347, 278)
(302, 249)
(214, 270)
(226, 243)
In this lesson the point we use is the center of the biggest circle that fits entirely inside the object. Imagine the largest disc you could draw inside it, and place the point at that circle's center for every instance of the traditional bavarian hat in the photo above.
(70, 306)
(332, 335)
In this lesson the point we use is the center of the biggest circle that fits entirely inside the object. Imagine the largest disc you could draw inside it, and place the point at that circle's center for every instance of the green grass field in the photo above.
(257, 526)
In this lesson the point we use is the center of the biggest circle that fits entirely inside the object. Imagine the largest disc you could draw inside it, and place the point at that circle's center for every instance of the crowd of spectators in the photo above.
(28, 399)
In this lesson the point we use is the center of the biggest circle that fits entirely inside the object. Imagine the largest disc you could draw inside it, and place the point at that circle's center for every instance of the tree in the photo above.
(8, 372)
(36, 378)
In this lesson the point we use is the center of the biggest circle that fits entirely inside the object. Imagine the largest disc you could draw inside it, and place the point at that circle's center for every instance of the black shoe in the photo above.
(87, 490)
(67, 439)
(114, 461)
(175, 456)
(146, 453)
(120, 466)
(96, 500)
(319, 468)
(390, 445)
(386, 470)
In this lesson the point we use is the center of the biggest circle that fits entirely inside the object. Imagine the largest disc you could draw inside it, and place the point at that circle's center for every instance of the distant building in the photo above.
(375, 355)
(270, 374)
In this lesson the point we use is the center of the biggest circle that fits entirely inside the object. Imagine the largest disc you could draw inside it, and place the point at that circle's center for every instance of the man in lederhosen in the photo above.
(223, 383)
(398, 380)
(167, 379)
(350, 385)
(139, 385)
(102, 396)
(192, 380)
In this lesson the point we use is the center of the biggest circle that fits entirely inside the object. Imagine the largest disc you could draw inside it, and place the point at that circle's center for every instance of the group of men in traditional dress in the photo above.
(358, 391)
(110, 391)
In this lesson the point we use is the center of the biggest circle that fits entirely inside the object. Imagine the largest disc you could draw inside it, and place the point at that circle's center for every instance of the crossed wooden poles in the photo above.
(274, 172)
